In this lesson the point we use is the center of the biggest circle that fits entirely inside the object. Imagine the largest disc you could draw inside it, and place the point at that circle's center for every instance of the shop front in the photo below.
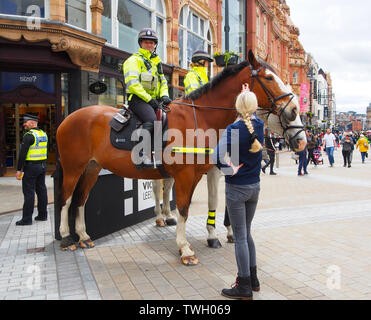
(28, 92)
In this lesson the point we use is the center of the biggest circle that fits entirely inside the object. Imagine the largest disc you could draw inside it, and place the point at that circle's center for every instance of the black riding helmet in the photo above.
(201, 55)
(147, 34)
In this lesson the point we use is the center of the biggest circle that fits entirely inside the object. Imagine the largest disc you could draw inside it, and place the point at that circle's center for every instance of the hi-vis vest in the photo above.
(39, 149)
(143, 77)
(195, 78)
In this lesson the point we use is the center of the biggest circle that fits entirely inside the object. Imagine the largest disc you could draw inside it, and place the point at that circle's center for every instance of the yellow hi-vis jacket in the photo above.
(195, 78)
(144, 81)
(39, 149)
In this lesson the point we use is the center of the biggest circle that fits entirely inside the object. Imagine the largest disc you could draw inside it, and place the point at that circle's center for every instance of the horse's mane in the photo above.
(227, 72)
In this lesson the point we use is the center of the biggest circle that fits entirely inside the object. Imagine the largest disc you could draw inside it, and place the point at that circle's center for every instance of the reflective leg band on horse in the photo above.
(211, 218)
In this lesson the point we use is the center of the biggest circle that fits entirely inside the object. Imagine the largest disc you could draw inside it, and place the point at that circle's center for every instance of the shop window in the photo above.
(76, 13)
(295, 78)
(194, 34)
(22, 8)
(134, 15)
(114, 96)
(236, 26)
(107, 20)
(265, 30)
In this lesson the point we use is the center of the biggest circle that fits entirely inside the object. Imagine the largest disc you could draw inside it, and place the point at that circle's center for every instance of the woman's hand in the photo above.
(235, 169)
(245, 87)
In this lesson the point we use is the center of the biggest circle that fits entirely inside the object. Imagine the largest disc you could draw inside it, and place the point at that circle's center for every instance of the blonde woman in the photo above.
(242, 178)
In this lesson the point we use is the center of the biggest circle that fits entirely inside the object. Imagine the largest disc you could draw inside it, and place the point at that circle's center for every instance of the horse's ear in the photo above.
(253, 60)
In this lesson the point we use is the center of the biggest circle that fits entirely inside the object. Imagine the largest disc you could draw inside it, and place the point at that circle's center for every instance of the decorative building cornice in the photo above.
(84, 49)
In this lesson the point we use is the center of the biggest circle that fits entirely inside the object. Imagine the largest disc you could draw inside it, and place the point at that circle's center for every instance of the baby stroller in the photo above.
(318, 155)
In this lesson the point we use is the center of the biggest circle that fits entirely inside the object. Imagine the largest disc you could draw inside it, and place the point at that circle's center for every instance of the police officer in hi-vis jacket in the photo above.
(32, 159)
(197, 76)
(146, 85)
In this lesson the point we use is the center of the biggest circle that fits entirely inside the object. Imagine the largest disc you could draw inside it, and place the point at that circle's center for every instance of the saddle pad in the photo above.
(122, 139)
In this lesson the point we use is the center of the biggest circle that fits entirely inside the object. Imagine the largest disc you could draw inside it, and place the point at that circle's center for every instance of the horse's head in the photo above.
(279, 107)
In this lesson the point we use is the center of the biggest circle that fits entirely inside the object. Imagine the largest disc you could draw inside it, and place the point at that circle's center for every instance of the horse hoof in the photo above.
(214, 243)
(230, 239)
(160, 223)
(189, 261)
(171, 222)
(68, 244)
(72, 247)
(86, 244)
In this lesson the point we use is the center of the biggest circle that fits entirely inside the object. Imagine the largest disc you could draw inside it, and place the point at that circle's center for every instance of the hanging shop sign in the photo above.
(98, 87)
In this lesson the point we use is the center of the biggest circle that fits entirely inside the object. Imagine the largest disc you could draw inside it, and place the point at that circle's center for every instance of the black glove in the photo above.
(154, 104)
(165, 100)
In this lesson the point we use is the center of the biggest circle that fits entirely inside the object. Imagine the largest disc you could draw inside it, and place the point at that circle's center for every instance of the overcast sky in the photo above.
(338, 35)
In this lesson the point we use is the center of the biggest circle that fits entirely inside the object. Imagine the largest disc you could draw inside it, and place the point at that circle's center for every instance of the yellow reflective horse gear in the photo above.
(191, 150)
(39, 149)
(195, 78)
(144, 77)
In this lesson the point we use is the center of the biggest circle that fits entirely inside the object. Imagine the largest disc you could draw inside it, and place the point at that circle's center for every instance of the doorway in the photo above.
(13, 131)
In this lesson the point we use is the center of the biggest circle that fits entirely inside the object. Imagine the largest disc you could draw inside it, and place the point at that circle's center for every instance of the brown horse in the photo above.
(84, 145)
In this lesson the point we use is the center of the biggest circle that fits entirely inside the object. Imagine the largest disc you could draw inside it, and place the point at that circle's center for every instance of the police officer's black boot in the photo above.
(147, 162)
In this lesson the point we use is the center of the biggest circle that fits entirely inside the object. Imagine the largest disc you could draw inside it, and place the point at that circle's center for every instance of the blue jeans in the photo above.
(241, 202)
(303, 161)
(363, 155)
(330, 154)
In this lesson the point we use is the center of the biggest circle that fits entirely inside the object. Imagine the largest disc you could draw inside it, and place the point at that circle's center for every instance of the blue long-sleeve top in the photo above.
(236, 141)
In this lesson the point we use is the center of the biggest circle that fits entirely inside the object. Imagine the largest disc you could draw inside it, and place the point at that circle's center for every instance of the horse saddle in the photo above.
(123, 125)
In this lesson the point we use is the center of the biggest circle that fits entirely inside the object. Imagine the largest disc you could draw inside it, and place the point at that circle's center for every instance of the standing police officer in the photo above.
(146, 85)
(32, 158)
(197, 76)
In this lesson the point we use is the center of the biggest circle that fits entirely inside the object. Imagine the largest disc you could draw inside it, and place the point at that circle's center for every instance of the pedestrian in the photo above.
(303, 162)
(242, 184)
(32, 160)
(329, 145)
(311, 145)
(348, 146)
(269, 145)
(363, 145)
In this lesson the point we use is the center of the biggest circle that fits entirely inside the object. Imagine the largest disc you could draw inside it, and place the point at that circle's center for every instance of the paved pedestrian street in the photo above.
(312, 237)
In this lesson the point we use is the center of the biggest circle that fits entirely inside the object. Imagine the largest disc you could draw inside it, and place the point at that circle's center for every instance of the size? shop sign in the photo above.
(12, 80)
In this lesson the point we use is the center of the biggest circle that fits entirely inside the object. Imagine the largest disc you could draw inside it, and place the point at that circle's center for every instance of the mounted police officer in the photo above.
(146, 85)
(32, 158)
(197, 76)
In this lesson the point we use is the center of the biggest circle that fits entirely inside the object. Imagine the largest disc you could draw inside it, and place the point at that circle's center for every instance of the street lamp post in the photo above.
(311, 78)
(226, 26)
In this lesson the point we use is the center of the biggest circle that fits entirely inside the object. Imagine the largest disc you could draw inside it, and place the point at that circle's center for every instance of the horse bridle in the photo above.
(275, 109)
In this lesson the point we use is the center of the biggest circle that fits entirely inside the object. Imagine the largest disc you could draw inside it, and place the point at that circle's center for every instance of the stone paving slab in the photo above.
(311, 233)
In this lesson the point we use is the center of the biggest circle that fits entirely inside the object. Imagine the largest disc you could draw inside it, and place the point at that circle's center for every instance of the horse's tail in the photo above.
(58, 178)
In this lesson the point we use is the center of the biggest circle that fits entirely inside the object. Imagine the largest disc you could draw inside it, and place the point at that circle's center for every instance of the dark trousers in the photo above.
(311, 156)
(34, 181)
(272, 157)
(346, 156)
(303, 161)
(142, 109)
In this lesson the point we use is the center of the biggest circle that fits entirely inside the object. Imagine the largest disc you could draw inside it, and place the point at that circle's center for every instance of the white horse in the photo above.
(270, 120)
